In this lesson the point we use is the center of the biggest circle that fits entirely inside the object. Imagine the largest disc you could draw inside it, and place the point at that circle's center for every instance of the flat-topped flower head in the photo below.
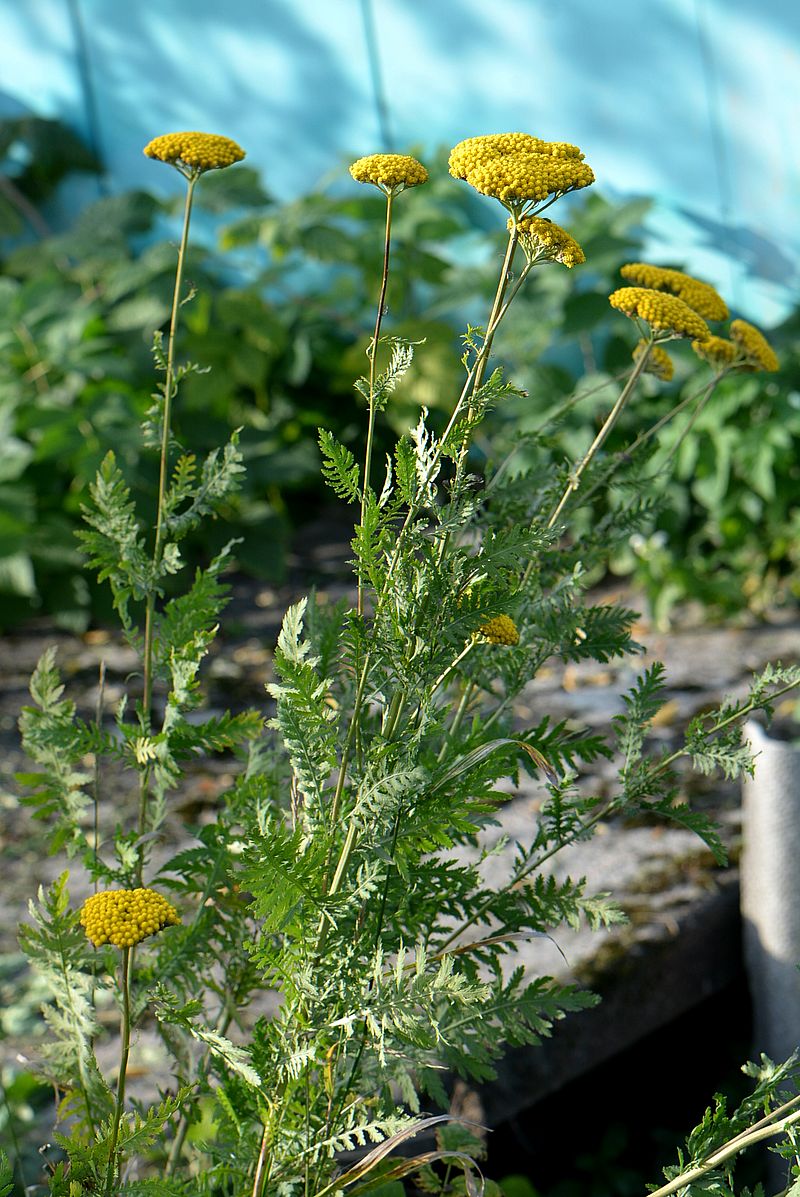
(518, 169)
(390, 172)
(664, 313)
(473, 150)
(194, 153)
(124, 917)
(544, 241)
(500, 629)
(717, 351)
(757, 352)
(659, 363)
(700, 296)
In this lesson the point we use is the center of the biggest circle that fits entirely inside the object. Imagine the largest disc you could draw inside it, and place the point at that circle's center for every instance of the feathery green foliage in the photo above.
(342, 951)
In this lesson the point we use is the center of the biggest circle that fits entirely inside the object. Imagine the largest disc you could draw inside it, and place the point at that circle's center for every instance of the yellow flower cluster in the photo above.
(472, 150)
(665, 313)
(543, 240)
(517, 168)
(659, 362)
(501, 629)
(124, 917)
(390, 172)
(759, 354)
(717, 351)
(701, 297)
(196, 151)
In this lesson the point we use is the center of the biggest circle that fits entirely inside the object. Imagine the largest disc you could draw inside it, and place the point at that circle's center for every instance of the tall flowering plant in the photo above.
(329, 955)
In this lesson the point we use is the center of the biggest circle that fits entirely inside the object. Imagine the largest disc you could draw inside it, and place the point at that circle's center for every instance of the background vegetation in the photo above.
(284, 338)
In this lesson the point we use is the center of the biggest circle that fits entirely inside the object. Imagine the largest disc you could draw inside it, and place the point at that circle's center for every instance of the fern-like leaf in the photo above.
(339, 468)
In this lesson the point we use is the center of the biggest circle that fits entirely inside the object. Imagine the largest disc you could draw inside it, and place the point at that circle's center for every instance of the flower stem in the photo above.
(457, 720)
(125, 1032)
(260, 1164)
(169, 386)
(373, 355)
(610, 421)
(739, 1143)
(471, 384)
(498, 311)
(624, 455)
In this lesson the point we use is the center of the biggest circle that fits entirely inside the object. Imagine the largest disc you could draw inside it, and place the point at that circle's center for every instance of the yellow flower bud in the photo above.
(390, 172)
(700, 297)
(659, 363)
(500, 629)
(194, 153)
(545, 241)
(665, 313)
(124, 917)
(717, 351)
(757, 351)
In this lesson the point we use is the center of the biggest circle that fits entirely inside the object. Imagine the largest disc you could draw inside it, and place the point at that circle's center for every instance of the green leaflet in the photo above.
(339, 467)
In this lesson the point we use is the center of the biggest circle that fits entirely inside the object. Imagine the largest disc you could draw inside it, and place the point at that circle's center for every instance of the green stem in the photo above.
(457, 719)
(625, 455)
(260, 1164)
(222, 1024)
(393, 713)
(609, 423)
(378, 932)
(497, 306)
(373, 354)
(475, 373)
(690, 423)
(740, 1143)
(498, 311)
(559, 411)
(149, 619)
(753, 705)
(125, 1032)
(453, 664)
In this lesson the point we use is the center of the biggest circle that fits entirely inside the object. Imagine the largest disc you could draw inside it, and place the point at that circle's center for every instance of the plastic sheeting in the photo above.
(770, 879)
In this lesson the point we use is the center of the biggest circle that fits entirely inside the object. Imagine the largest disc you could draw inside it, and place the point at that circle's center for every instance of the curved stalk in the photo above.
(499, 308)
(609, 423)
(372, 353)
(169, 385)
(625, 455)
(690, 423)
(260, 1163)
(469, 688)
(378, 932)
(125, 1033)
(747, 1139)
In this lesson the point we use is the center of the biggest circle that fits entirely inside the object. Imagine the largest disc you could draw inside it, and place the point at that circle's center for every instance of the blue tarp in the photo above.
(695, 102)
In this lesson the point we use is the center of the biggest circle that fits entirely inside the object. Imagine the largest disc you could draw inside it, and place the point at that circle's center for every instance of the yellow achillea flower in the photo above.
(124, 917)
(717, 351)
(194, 153)
(390, 172)
(543, 240)
(473, 150)
(700, 296)
(501, 629)
(520, 178)
(665, 313)
(659, 362)
(758, 353)
(517, 168)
